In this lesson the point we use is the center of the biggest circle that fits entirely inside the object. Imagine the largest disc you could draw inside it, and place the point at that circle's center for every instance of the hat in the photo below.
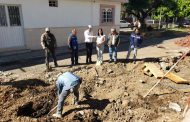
(112, 29)
(89, 26)
(47, 29)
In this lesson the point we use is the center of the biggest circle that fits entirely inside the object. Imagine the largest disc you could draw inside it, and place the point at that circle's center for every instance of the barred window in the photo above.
(3, 19)
(14, 16)
(53, 3)
(107, 15)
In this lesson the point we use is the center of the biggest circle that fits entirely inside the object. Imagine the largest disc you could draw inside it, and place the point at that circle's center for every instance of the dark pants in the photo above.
(89, 47)
(47, 55)
(74, 56)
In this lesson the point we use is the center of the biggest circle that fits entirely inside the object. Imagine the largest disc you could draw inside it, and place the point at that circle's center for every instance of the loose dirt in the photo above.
(114, 93)
(185, 42)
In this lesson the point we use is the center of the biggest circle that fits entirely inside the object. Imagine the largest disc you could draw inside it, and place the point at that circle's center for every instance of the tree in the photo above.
(142, 8)
(183, 10)
(166, 10)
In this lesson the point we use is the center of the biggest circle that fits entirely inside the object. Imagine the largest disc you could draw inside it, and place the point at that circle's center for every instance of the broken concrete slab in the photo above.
(177, 79)
(154, 69)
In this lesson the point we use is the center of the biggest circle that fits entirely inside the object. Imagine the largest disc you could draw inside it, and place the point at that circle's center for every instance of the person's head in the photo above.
(74, 32)
(113, 31)
(47, 30)
(90, 27)
(100, 32)
(137, 31)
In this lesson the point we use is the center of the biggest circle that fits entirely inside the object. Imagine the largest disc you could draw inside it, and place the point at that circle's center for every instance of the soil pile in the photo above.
(185, 42)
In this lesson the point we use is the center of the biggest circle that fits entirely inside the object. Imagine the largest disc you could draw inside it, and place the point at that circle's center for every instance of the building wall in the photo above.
(61, 34)
(37, 15)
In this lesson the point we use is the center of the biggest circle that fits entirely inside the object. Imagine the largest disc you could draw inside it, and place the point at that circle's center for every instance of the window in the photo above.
(3, 19)
(107, 14)
(14, 16)
(53, 3)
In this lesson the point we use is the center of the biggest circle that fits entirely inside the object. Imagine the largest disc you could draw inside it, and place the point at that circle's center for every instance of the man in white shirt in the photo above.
(88, 34)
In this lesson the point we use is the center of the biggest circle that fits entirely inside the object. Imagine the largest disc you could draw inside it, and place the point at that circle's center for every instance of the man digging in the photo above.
(67, 83)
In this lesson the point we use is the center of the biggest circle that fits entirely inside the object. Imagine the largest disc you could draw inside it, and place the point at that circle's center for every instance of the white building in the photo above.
(23, 21)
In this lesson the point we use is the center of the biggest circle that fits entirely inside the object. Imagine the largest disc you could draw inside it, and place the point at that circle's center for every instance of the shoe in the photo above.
(56, 115)
(110, 61)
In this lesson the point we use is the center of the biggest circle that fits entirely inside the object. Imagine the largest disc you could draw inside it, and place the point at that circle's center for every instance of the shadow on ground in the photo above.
(93, 104)
(156, 37)
(24, 84)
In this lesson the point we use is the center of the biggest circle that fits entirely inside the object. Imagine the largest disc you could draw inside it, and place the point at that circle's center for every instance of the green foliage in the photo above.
(141, 8)
(183, 8)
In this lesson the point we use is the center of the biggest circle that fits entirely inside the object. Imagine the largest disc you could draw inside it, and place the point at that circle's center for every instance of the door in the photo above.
(11, 27)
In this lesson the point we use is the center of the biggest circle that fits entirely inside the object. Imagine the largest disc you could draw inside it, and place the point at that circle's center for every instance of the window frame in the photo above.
(55, 4)
(107, 7)
(5, 23)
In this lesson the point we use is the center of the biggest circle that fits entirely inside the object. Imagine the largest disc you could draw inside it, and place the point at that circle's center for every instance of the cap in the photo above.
(47, 29)
(112, 29)
(89, 26)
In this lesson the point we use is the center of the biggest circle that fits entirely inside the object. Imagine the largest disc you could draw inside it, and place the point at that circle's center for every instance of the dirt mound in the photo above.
(185, 42)
(112, 92)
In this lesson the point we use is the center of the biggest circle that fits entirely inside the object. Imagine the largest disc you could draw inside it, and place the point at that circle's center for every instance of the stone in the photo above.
(142, 81)
(109, 71)
(175, 107)
(164, 66)
(125, 103)
(47, 75)
(81, 113)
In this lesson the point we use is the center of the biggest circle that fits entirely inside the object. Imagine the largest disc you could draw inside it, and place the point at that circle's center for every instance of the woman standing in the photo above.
(100, 46)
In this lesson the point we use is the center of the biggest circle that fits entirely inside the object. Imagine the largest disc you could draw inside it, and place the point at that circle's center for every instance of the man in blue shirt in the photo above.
(73, 46)
(66, 83)
(135, 42)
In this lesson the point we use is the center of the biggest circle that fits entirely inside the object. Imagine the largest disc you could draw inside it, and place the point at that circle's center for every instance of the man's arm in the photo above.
(55, 41)
(118, 40)
(69, 42)
(42, 41)
(88, 36)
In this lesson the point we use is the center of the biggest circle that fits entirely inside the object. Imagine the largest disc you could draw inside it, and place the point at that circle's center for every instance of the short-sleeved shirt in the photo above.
(68, 80)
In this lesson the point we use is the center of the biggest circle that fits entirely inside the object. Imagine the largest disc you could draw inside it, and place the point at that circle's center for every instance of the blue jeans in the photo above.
(113, 53)
(100, 51)
(62, 95)
(134, 48)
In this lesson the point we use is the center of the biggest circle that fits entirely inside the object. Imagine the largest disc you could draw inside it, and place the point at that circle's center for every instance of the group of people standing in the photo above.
(48, 42)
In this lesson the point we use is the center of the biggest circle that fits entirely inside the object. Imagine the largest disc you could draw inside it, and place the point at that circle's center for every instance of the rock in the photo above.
(109, 71)
(118, 102)
(176, 70)
(101, 81)
(175, 107)
(126, 94)
(142, 81)
(95, 112)
(125, 103)
(164, 66)
(51, 80)
(81, 113)
(7, 74)
(47, 75)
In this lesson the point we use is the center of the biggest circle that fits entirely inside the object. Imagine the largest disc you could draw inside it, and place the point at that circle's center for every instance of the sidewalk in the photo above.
(8, 59)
